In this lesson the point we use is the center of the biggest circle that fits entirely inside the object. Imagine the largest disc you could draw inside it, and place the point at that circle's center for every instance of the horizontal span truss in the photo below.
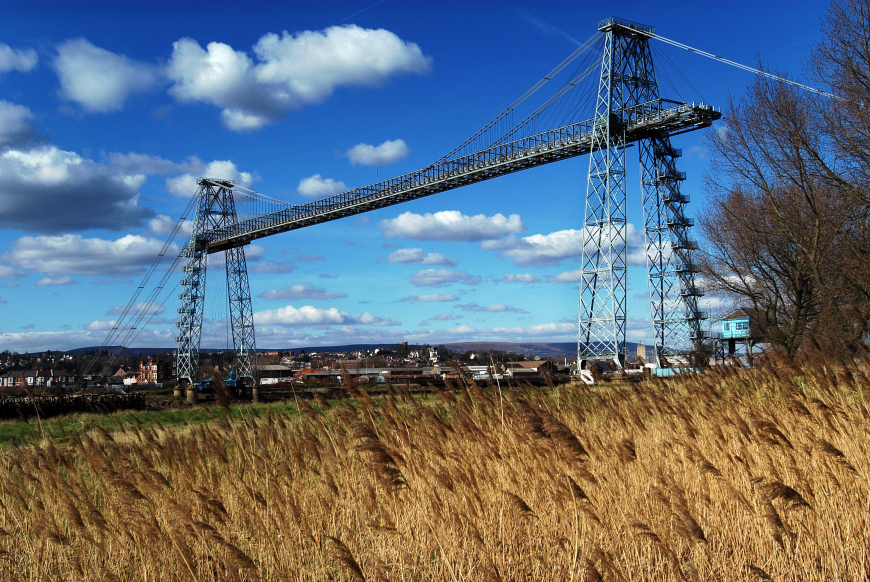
(655, 118)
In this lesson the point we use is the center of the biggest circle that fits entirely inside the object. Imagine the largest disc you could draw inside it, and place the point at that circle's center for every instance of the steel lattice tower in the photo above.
(216, 208)
(628, 91)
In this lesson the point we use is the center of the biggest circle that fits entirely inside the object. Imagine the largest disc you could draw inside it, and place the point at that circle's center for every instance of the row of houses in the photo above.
(36, 378)
(516, 371)
(150, 372)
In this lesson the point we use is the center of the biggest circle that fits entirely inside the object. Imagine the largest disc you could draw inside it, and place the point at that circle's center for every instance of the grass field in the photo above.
(731, 475)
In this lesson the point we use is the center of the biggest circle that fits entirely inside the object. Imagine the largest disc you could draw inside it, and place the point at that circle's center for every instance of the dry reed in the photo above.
(730, 475)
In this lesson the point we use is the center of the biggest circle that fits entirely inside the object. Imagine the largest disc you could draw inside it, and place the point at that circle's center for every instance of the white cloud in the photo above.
(11, 273)
(494, 308)
(310, 316)
(72, 254)
(100, 80)
(431, 298)
(542, 250)
(418, 257)
(520, 278)
(52, 281)
(46, 189)
(66, 340)
(17, 60)
(291, 70)
(15, 127)
(569, 277)
(348, 333)
(463, 329)
(318, 187)
(100, 325)
(185, 185)
(312, 64)
(450, 225)
(162, 225)
(439, 277)
(297, 292)
(388, 152)
(221, 76)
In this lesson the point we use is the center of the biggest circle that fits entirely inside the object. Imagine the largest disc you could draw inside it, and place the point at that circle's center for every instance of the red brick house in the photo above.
(154, 372)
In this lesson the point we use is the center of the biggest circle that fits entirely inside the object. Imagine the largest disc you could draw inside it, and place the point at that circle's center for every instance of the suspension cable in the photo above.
(558, 95)
(548, 77)
(745, 67)
(251, 193)
(115, 332)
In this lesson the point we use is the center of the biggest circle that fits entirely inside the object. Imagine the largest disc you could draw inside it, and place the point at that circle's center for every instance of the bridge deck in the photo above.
(656, 118)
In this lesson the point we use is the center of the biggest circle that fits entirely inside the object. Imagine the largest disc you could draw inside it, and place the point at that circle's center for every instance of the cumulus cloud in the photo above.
(297, 292)
(185, 185)
(52, 281)
(100, 325)
(317, 186)
(312, 64)
(162, 225)
(46, 189)
(100, 80)
(11, 273)
(15, 126)
(70, 254)
(431, 298)
(543, 250)
(291, 70)
(451, 225)
(17, 60)
(494, 308)
(309, 316)
(66, 340)
(418, 257)
(520, 278)
(569, 277)
(221, 76)
(439, 277)
(389, 152)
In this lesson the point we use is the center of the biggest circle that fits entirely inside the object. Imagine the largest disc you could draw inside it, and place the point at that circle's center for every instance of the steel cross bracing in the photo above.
(627, 83)
(216, 208)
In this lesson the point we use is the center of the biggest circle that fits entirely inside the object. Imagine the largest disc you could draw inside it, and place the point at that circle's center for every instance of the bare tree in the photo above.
(787, 226)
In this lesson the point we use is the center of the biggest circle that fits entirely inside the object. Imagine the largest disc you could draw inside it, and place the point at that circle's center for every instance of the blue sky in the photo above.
(109, 110)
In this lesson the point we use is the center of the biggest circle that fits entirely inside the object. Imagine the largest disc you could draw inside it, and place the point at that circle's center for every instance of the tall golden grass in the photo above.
(730, 475)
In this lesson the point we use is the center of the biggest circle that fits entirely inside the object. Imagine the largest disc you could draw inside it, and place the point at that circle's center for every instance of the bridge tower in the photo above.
(627, 92)
(216, 208)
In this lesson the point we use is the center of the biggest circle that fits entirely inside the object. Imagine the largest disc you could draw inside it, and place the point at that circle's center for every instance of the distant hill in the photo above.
(542, 349)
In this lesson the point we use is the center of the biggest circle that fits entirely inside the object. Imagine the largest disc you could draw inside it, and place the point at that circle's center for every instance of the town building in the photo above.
(154, 372)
